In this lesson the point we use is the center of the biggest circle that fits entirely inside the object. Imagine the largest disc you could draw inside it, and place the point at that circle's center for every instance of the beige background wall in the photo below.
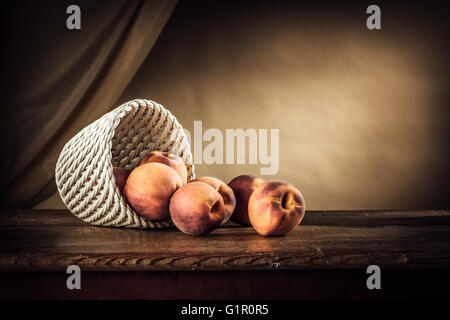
(363, 115)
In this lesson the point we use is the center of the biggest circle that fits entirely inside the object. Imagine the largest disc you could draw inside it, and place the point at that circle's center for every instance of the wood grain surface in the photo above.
(42, 240)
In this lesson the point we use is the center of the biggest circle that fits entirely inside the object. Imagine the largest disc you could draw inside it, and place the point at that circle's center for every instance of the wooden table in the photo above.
(325, 258)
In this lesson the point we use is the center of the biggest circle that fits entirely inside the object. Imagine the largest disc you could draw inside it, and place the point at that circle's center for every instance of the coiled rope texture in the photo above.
(122, 137)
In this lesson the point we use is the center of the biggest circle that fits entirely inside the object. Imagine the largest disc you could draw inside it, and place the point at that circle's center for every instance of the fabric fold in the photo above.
(75, 89)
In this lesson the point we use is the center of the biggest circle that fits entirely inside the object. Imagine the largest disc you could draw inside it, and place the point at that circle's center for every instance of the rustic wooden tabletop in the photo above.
(49, 241)
(34, 240)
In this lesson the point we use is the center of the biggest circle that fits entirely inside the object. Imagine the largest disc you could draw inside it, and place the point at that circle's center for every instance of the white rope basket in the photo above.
(122, 137)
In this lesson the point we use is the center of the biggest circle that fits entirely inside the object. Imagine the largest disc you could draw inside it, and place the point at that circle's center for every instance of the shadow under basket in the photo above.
(122, 137)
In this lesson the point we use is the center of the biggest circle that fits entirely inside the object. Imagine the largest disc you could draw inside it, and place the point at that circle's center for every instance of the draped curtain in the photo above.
(59, 80)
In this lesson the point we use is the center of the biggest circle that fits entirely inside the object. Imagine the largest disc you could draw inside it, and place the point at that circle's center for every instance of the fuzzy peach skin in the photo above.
(276, 208)
(169, 159)
(121, 176)
(149, 188)
(196, 208)
(225, 191)
(243, 187)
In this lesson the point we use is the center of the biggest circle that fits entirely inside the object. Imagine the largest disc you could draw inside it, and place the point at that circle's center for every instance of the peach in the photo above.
(121, 176)
(225, 191)
(197, 208)
(276, 208)
(243, 187)
(169, 159)
(149, 188)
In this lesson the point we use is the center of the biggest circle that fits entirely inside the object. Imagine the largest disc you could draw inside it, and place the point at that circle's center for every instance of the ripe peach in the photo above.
(149, 188)
(121, 176)
(225, 191)
(197, 208)
(243, 187)
(275, 208)
(169, 159)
